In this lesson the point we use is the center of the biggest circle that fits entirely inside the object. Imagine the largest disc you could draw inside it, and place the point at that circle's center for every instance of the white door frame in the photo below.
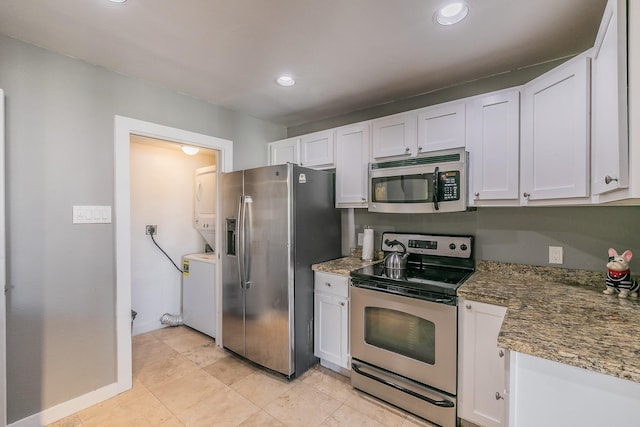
(3, 278)
(124, 128)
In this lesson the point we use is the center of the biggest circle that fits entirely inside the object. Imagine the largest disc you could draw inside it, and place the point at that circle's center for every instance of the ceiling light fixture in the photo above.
(192, 151)
(285, 81)
(117, 1)
(451, 13)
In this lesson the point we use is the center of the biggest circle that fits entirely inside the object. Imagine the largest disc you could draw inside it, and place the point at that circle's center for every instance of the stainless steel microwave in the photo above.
(434, 182)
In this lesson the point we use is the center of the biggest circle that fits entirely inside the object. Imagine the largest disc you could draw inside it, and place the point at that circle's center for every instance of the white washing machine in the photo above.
(199, 292)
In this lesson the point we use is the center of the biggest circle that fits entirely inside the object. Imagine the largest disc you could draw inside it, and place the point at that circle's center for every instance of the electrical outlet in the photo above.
(555, 255)
(360, 239)
(151, 229)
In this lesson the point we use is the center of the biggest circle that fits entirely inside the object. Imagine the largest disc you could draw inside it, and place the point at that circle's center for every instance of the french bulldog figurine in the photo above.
(619, 275)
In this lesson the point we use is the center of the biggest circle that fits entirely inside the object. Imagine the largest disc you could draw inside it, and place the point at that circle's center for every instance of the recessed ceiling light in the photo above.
(451, 13)
(192, 151)
(285, 81)
(117, 1)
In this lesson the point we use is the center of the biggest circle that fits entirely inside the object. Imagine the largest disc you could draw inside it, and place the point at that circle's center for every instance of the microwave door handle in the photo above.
(436, 189)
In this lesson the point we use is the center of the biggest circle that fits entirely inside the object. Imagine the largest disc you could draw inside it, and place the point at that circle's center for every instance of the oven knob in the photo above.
(463, 247)
(452, 246)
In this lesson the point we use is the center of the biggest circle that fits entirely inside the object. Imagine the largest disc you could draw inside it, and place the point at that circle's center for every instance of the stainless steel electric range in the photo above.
(404, 323)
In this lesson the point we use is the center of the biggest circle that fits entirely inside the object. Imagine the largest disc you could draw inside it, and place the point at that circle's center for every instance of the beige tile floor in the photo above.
(181, 378)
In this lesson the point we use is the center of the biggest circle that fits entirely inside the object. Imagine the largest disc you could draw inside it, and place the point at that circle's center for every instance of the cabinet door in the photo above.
(494, 146)
(331, 337)
(394, 136)
(483, 378)
(555, 133)
(316, 149)
(610, 141)
(352, 166)
(441, 127)
(285, 151)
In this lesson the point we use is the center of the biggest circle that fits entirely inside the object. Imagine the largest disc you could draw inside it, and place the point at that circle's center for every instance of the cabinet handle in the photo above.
(407, 150)
(501, 353)
(499, 396)
(526, 195)
(364, 200)
(476, 194)
(468, 306)
(419, 148)
(342, 303)
(609, 180)
(328, 284)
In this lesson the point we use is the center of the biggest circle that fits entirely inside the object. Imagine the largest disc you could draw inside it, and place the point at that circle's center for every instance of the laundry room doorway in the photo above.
(130, 136)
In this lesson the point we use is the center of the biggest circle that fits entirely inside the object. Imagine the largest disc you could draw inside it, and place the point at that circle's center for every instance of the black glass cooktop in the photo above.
(413, 279)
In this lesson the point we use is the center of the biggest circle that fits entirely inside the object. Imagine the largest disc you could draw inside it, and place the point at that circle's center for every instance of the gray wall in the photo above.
(523, 235)
(59, 152)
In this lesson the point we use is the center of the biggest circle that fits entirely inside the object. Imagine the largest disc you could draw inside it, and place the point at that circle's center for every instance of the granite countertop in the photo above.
(561, 315)
(343, 266)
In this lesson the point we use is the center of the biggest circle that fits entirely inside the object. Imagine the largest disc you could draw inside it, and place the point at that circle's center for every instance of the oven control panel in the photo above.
(429, 244)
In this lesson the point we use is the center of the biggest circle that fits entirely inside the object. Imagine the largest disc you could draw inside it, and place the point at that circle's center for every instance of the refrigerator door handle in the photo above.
(244, 259)
(241, 240)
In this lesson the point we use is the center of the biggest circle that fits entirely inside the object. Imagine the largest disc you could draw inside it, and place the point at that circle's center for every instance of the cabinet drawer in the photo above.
(332, 284)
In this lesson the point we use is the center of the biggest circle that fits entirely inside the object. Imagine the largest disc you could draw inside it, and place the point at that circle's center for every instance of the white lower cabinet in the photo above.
(331, 319)
(547, 393)
(483, 377)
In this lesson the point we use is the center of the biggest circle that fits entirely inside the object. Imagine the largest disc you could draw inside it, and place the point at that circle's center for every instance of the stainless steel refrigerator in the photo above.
(279, 220)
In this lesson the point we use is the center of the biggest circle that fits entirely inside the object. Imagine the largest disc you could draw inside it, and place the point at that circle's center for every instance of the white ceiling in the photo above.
(346, 55)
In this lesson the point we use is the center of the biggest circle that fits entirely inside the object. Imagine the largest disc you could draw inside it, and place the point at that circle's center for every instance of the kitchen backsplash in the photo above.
(523, 234)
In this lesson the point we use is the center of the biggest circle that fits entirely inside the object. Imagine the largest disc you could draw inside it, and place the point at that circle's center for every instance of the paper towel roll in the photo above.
(367, 244)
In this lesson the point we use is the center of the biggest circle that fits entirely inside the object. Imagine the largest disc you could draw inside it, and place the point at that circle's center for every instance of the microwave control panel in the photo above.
(450, 186)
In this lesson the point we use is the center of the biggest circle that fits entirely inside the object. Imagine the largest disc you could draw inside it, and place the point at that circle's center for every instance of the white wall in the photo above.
(60, 114)
(162, 183)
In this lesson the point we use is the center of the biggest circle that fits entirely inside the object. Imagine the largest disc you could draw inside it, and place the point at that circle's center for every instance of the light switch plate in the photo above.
(555, 255)
(92, 214)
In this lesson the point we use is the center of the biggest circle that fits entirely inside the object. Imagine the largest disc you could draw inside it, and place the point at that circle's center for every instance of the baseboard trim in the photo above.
(70, 407)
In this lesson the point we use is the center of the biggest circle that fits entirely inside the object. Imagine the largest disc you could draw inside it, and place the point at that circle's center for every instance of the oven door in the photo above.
(410, 337)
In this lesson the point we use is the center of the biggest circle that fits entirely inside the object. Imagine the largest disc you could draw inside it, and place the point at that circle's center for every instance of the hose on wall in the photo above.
(168, 319)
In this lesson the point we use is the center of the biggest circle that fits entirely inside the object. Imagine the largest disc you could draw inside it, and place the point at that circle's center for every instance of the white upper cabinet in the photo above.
(352, 161)
(555, 133)
(493, 143)
(441, 127)
(284, 151)
(394, 136)
(316, 150)
(610, 143)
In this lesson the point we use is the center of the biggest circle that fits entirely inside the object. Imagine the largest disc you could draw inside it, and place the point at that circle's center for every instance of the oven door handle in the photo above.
(440, 403)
